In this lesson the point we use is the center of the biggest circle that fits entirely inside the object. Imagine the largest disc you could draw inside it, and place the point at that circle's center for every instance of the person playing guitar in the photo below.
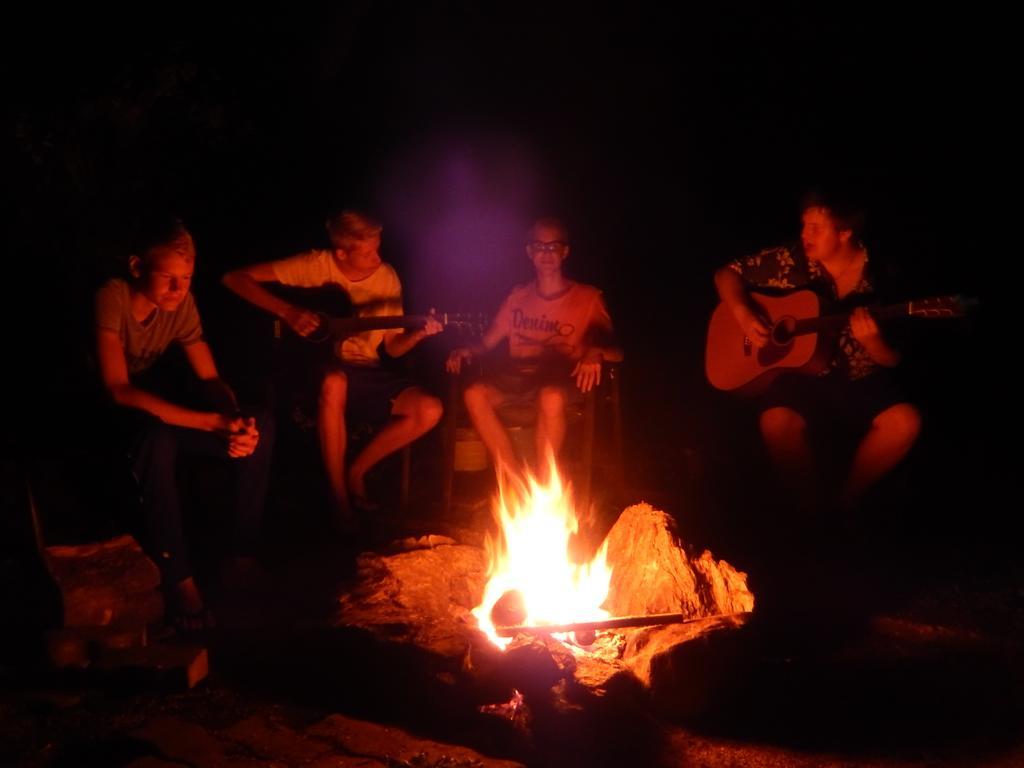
(354, 382)
(851, 387)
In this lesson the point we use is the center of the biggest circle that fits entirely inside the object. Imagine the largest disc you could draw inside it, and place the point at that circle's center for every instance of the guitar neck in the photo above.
(342, 326)
(835, 321)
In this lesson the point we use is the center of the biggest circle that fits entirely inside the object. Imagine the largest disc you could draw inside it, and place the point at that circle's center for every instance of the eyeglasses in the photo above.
(540, 247)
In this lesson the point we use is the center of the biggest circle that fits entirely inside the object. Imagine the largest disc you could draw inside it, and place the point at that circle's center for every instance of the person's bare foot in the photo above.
(356, 484)
(357, 493)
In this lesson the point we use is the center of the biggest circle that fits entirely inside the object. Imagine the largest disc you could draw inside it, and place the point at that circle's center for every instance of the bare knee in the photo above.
(476, 398)
(780, 423)
(428, 411)
(333, 392)
(901, 423)
(551, 402)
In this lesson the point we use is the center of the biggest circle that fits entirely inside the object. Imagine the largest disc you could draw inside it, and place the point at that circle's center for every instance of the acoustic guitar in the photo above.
(801, 338)
(339, 319)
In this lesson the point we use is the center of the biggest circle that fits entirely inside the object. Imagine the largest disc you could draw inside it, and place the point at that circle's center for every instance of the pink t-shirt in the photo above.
(562, 325)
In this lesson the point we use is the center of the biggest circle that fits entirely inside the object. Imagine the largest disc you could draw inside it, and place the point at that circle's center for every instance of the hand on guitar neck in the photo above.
(319, 326)
(327, 312)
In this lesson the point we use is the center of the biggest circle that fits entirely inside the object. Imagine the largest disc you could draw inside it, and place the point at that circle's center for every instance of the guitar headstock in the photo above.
(940, 306)
(464, 324)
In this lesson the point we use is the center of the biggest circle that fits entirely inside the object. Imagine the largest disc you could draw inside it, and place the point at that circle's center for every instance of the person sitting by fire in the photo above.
(355, 382)
(136, 321)
(854, 390)
(559, 332)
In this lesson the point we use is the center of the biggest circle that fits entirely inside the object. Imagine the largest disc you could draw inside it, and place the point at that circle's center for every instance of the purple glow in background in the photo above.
(456, 211)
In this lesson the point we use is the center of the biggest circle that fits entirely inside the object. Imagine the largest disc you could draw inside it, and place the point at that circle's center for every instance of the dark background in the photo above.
(669, 139)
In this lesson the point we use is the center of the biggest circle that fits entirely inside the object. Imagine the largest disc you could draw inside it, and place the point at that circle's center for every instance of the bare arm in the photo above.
(398, 343)
(607, 354)
(733, 293)
(246, 282)
(600, 343)
(201, 359)
(491, 338)
(867, 332)
(114, 374)
(241, 432)
(599, 346)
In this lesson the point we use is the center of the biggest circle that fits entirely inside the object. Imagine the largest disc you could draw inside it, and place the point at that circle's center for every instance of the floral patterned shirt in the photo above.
(788, 268)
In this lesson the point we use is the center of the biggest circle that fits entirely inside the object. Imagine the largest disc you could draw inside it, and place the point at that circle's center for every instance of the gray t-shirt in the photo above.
(144, 343)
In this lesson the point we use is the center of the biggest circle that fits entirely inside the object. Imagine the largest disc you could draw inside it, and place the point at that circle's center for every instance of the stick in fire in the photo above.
(621, 622)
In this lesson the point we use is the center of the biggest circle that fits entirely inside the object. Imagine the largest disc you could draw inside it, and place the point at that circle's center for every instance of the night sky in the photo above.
(670, 139)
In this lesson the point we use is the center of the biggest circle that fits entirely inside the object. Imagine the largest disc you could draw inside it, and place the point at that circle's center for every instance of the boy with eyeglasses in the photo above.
(559, 332)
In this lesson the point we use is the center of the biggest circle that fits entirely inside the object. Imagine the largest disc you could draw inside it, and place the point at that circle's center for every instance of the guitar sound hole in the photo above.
(779, 346)
(782, 332)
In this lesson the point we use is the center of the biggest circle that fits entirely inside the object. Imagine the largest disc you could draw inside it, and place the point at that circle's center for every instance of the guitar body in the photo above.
(733, 363)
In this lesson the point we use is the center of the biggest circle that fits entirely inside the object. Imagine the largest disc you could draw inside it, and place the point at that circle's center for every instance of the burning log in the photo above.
(509, 609)
(621, 622)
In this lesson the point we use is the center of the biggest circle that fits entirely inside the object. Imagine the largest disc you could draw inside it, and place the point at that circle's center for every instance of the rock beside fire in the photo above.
(661, 657)
(421, 597)
(652, 572)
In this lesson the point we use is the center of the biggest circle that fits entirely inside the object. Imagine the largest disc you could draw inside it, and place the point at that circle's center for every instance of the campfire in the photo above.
(526, 613)
(532, 579)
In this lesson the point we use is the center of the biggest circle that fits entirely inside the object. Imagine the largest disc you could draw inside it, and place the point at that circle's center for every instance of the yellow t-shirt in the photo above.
(379, 295)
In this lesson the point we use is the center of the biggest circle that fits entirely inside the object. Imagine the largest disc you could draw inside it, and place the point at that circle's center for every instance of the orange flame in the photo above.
(531, 555)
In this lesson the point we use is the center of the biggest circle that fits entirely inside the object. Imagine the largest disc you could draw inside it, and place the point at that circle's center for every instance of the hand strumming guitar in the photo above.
(754, 327)
(734, 294)
(302, 321)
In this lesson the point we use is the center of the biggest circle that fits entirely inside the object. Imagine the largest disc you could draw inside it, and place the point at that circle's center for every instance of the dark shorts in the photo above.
(833, 399)
(520, 384)
(371, 391)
